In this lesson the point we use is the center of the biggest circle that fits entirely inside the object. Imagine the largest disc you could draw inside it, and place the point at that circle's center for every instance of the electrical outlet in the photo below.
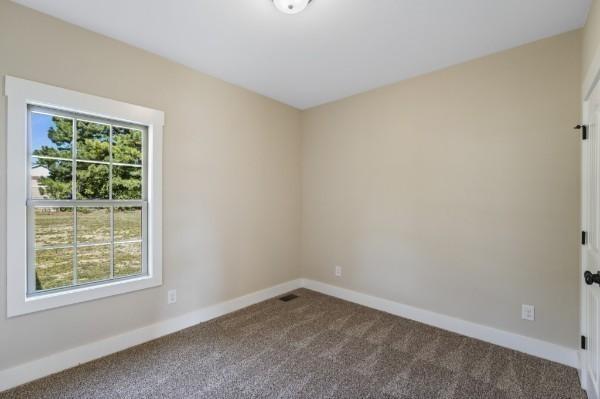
(528, 312)
(338, 271)
(172, 296)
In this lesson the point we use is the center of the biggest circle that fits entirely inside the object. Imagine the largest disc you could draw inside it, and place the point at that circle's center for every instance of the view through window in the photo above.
(87, 200)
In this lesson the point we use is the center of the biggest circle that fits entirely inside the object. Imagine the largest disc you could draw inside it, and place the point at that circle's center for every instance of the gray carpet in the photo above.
(314, 346)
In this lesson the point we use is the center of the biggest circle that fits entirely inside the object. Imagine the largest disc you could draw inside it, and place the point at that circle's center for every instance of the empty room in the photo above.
(300, 199)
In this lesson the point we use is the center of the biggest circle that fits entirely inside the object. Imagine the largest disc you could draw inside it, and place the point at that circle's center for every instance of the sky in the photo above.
(40, 124)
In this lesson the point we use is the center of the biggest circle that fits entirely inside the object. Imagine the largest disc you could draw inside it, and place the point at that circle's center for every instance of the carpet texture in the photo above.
(314, 346)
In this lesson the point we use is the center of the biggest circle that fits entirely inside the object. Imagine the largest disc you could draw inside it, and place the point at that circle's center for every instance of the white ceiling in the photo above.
(335, 48)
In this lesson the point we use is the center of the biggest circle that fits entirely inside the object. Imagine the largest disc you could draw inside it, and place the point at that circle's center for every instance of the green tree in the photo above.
(127, 149)
(58, 183)
(93, 144)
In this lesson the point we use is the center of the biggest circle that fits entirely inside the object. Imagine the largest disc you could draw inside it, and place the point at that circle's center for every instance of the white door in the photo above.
(590, 254)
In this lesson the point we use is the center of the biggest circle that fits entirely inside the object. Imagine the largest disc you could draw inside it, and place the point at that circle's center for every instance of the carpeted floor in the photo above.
(314, 346)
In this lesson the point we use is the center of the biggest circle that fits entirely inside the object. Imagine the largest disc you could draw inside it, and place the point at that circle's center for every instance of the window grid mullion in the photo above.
(112, 242)
(112, 208)
(74, 197)
(88, 161)
(84, 203)
(110, 160)
(84, 245)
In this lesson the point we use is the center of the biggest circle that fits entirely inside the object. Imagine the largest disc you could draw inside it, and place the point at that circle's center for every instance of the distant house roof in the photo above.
(39, 171)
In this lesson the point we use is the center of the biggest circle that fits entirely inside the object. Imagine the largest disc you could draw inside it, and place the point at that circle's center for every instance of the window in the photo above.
(86, 206)
(87, 170)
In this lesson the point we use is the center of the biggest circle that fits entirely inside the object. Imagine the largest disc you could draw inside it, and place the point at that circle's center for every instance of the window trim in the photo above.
(23, 93)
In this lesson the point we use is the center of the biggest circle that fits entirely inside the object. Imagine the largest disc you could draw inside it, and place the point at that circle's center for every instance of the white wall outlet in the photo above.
(172, 296)
(528, 312)
(338, 271)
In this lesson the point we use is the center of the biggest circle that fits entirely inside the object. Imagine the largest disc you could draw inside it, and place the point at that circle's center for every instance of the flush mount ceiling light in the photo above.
(291, 6)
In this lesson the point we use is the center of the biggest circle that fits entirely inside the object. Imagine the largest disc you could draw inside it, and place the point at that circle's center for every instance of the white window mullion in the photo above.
(112, 208)
(74, 198)
(75, 246)
(112, 242)
(84, 203)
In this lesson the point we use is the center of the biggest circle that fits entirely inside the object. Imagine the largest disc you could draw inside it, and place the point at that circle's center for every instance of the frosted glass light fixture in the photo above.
(291, 6)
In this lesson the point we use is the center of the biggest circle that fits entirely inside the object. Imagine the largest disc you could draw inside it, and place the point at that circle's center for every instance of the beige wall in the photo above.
(231, 181)
(591, 36)
(456, 192)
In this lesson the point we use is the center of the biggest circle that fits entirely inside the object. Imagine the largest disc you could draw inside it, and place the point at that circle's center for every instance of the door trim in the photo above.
(583, 377)
(591, 77)
(590, 82)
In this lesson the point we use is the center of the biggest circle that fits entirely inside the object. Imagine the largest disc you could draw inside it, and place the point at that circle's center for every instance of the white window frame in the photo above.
(23, 93)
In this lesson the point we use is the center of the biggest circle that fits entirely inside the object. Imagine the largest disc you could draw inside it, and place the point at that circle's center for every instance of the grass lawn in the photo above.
(55, 227)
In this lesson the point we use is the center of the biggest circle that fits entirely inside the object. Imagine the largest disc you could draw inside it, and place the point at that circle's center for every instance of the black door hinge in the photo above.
(583, 342)
(583, 129)
(583, 238)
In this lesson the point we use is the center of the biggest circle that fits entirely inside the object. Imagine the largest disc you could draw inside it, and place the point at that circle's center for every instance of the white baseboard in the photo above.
(54, 363)
(521, 343)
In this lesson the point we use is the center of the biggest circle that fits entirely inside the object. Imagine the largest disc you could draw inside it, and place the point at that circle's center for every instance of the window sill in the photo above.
(44, 301)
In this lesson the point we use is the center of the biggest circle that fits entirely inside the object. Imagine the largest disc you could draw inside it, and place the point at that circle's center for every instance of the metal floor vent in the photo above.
(288, 297)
